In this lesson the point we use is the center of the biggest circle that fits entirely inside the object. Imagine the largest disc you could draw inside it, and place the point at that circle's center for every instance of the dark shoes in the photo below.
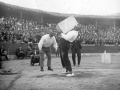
(49, 68)
(42, 70)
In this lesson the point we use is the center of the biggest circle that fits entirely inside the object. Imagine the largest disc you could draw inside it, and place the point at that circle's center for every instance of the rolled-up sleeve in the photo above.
(67, 36)
(40, 44)
(55, 44)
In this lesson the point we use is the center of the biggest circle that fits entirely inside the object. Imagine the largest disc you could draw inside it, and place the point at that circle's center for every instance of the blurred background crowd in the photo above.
(15, 30)
(22, 31)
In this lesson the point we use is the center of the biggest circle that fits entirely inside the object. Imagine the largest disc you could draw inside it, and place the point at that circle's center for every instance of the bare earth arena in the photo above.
(92, 74)
(88, 28)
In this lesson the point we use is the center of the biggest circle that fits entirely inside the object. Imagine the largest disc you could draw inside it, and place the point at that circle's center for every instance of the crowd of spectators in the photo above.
(93, 34)
(23, 31)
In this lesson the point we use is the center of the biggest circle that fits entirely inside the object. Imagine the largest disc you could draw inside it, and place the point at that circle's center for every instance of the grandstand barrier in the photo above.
(11, 48)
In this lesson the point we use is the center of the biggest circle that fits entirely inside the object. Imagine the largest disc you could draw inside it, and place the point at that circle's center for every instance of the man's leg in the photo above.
(18, 56)
(32, 60)
(73, 57)
(61, 56)
(67, 61)
(0, 62)
(79, 56)
(6, 57)
(65, 45)
(64, 48)
(22, 55)
(58, 54)
(42, 61)
(48, 54)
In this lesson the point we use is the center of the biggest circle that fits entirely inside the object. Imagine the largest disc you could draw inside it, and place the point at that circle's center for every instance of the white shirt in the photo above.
(70, 36)
(47, 41)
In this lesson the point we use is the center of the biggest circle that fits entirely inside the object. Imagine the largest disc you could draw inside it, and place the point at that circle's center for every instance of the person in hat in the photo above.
(20, 53)
(3, 52)
(44, 46)
(65, 41)
(76, 49)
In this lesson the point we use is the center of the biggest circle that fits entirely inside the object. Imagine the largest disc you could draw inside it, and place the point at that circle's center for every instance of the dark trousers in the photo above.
(6, 57)
(20, 55)
(0, 62)
(46, 50)
(78, 52)
(65, 45)
(61, 56)
(57, 53)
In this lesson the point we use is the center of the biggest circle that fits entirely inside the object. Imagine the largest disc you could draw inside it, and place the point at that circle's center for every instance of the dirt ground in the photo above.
(91, 75)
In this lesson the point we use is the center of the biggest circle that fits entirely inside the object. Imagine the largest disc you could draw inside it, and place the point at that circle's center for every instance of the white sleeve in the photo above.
(55, 44)
(40, 44)
(67, 36)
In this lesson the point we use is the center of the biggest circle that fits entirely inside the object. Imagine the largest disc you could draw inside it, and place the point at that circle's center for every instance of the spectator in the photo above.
(58, 50)
(35, 56)
(16, 31)
(76, 49)
(20, 53)
(3, 52)
(28, 51)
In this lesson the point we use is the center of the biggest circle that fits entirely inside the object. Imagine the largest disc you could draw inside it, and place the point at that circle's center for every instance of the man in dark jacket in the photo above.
(35, 57)
(20, 53)
(28, 51)
(3, 52)
(76, 49)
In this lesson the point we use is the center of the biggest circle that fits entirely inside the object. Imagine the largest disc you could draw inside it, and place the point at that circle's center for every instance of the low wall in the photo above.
(11, 47)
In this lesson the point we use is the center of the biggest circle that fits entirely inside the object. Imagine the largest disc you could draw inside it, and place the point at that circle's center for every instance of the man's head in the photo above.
(51, 33)
(2, 47)
(20, 47)
(28, 46)
(58, 30)
(77, 27)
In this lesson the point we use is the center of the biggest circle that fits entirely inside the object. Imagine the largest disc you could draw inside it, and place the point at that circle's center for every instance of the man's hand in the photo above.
(62, 35)
(56, 49)
(40, 51)
(59, 36)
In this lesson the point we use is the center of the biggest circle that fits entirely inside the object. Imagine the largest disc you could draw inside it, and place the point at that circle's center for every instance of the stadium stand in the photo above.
(21, 26)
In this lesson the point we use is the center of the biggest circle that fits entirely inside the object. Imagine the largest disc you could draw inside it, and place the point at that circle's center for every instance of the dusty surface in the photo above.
(91, 75)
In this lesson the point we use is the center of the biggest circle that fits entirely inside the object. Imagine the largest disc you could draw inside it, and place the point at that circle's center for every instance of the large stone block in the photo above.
(106, 58)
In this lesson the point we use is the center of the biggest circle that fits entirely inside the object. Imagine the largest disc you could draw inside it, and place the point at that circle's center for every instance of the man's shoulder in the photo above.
(73, 31)
(45, 36)
(53, 36)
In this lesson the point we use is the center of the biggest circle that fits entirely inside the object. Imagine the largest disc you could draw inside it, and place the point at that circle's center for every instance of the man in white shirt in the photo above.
(44, 45)
(65, 41)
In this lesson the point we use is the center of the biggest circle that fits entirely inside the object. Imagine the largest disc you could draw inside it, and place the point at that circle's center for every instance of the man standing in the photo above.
(76, 49)
(44, 47)
(65, 41)
(3, 52)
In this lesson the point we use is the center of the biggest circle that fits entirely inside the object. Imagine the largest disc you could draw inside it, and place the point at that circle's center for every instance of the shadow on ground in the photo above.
(78, 74)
